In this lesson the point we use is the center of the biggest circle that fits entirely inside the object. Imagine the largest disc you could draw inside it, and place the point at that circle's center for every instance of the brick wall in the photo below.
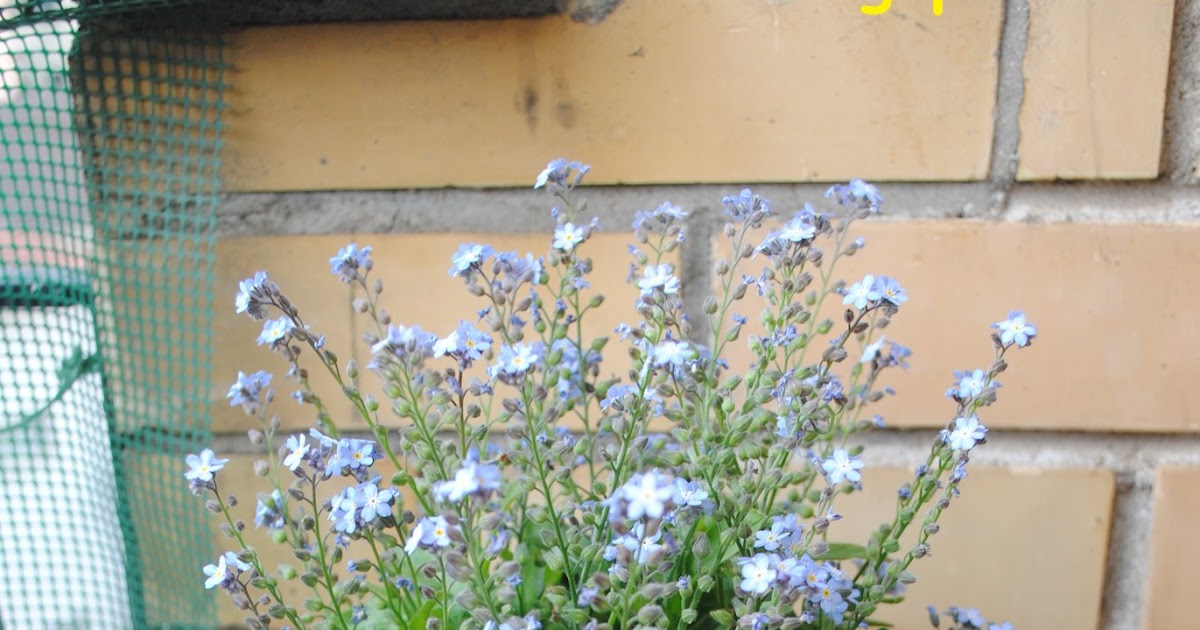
(1039, 154)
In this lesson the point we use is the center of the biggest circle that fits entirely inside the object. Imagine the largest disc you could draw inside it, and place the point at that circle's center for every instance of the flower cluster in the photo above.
(513, 479)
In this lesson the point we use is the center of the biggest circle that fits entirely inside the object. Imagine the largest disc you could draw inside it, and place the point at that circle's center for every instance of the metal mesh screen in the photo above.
(109, 139)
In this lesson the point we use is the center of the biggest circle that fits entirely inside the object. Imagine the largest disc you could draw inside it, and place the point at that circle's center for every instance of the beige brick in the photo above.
(1012, 537)
(661, 91)
(238, 478)
(1113, 312)
(299, 264)
(1173, 550)
(1095, 82)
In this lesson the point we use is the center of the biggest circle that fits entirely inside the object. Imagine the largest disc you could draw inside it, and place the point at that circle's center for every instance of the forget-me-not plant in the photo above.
(521, 474)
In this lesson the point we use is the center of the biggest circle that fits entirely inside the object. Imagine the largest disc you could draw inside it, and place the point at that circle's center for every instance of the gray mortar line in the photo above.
(1125, 577)
(1181, 124)
(525, 211)
(1124, 453)
(1010, 93)
(697, 263)
(520, 211)
(1103, 202)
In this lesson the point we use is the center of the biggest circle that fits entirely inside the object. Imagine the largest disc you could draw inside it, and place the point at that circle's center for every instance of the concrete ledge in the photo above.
(524, 210)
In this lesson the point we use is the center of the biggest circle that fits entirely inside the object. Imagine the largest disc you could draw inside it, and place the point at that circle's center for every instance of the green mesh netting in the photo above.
(109, 134)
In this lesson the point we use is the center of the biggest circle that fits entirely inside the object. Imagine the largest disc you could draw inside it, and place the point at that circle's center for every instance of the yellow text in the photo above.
(884, 5)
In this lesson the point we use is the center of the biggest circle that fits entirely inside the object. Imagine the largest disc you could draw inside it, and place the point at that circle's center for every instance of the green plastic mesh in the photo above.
(109, 139)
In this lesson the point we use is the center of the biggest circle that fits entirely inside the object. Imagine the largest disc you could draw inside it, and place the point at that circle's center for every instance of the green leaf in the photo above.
(422, 615)
(723, 617)
(875, 623)
(843, 551)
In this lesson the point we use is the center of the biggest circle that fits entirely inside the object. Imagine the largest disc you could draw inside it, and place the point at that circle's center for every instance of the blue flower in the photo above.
(559, 170)
(466, 344)
(832, 603)
(773, 538)
(897, 355)
(663, 215)
(647, 495)
(349, 260)
(1016, 330)
(567, 236)
(842, 467)
(224, 573)
(799, 230)
(688, 494)
(298, 447)
(353, 457)
(860, 294)
(872, 350)
(374, 503)
(269, 512)
(672, 353)
(614, 395)
(758, 573)
(469, 256)
(968, 616)
(856, 193)
(254, 294)
(640, 543)
(343, 511)
(202, 466)
(587, 596)
(833, 390)
(430, 532)
(276, 331)
(473, 478)
(515, 361)
(970, 384)
(659, 278)
(402, 342)
(966, 434)
(745, 205)
(890, 291)
(248, 390)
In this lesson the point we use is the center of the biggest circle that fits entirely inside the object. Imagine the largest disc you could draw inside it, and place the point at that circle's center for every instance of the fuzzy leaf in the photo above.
(843, 551)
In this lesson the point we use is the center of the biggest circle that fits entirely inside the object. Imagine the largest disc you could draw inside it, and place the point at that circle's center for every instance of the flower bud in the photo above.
(261, 468)
(652, 591)
(212, 505)
(256, 437)
(649, 615)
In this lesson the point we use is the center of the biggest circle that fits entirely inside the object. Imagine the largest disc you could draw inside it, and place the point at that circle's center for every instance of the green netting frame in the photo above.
(110, 121)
